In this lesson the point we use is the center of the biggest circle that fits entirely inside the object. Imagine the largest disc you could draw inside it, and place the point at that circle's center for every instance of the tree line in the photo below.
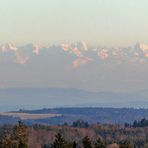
(60, 142)
(79, 134)
(14, 137)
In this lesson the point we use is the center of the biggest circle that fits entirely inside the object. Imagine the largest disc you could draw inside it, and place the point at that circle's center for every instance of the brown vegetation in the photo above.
(25, 116)
(95, 136)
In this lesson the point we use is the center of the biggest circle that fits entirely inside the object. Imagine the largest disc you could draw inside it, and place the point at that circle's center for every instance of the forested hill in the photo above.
(91, 115)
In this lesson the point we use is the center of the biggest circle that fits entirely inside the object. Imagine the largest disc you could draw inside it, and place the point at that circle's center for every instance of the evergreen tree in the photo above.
(86, 142)
(8, 142)
(124, 144)
(46, 146)
(16, 138)
(74, 145)
(20, 134)
(99, 143)
(80, 123)
(60, 142)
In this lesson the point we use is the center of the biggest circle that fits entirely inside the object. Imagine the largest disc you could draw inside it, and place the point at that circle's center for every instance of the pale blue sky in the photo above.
(105, 22)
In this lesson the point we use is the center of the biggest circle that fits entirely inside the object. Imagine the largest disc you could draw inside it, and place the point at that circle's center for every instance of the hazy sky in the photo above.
(101, 22)
(94, 45)
(105, 22)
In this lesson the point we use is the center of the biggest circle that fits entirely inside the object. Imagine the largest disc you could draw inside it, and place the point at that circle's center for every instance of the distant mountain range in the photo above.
(74, 65)
(80, 53)
(32, 98)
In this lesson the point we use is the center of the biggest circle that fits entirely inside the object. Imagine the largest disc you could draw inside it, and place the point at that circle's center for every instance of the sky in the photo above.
(103, 22)
(39, 44)
(92, 45)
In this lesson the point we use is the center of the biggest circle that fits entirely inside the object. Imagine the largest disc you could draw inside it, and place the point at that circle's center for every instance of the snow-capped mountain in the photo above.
(80, 53)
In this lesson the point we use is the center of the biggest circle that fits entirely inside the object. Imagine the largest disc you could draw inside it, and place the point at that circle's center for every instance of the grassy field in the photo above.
(25, 116)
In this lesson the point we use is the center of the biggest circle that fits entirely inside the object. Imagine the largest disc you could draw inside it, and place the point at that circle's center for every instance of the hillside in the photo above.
(56, 116)
(34, 98)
